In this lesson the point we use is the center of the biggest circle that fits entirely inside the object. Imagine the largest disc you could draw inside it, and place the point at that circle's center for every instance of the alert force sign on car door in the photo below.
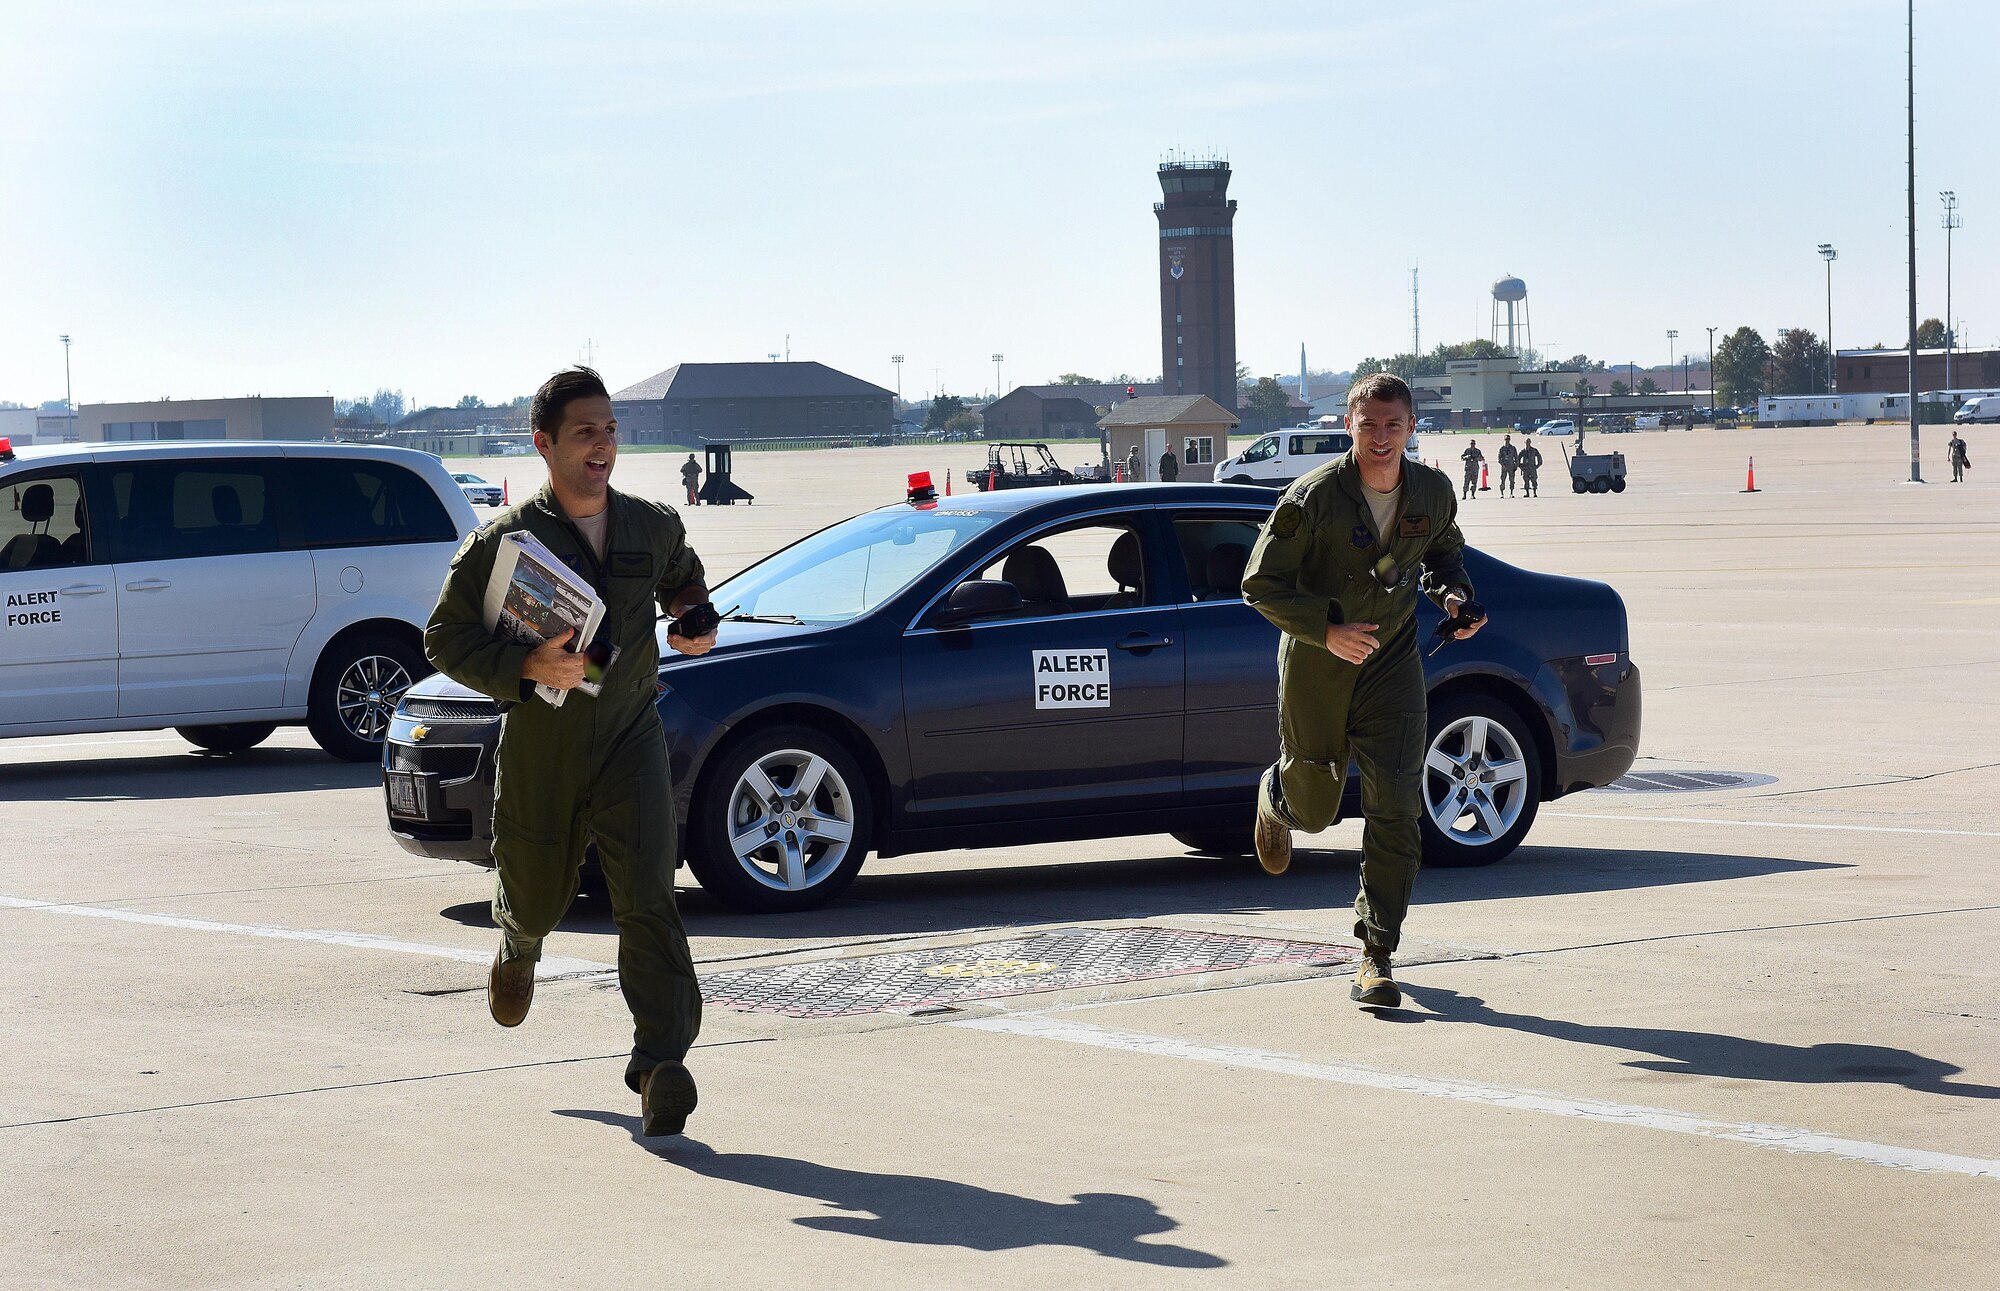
(1072, 678)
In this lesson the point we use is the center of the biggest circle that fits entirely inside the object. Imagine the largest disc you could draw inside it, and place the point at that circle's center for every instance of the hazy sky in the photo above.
(452, 197)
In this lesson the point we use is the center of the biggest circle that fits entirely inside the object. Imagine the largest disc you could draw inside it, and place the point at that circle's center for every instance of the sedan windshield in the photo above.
(845, 571)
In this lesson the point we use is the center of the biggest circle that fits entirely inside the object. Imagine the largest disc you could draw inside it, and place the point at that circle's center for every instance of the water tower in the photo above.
(1512, 292)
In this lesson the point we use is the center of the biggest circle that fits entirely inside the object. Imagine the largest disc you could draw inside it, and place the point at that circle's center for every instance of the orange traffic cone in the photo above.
(1750, 481)
(1483, 485)
(947, 483)
(503, 491)
(989, 481)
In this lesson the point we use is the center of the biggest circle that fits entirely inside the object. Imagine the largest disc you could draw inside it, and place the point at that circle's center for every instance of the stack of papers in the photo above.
(533, 596)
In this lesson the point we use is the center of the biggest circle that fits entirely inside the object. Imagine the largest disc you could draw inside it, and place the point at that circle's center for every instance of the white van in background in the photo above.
(221, 589)
(1985, 408)
(1283, 456)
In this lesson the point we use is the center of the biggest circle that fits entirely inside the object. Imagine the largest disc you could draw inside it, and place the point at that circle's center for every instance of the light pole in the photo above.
(69, 400)
(996, 374)
(897, 359)
(1910, 139)
(1828, 254)
(1711, 374)
(1673, 333)
(1951, 221)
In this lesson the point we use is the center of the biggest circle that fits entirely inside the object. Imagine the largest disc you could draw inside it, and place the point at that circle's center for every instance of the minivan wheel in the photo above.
(1482, 783)
(780, 822)
(231, 737)
(355, 690)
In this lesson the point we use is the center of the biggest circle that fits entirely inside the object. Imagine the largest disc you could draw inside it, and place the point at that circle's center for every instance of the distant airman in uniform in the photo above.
(1960, 459)
(691, 476)
(1510, 461)
(1472, 458)
(1132, 465)
(1170, 467)
(1337, 569)
(1531, 465)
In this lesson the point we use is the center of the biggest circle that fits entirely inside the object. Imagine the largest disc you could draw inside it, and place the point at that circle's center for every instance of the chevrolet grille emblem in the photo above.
(418, 732)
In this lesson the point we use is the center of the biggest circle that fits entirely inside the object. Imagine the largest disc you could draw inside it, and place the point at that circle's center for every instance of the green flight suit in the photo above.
(594, 769)
(1312, 567)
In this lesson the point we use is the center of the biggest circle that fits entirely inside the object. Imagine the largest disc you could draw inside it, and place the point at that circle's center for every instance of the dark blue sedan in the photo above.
(1034, 666)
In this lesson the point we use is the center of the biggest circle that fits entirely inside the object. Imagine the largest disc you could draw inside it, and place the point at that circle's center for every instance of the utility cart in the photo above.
(1594, 472)
(1018, 466)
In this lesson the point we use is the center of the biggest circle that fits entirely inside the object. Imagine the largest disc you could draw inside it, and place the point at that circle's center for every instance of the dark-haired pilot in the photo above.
(1337, 571)
(594, 769)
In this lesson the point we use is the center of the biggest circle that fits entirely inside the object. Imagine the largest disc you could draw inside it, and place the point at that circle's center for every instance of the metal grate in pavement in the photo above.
(1686, 781)
(905, 981)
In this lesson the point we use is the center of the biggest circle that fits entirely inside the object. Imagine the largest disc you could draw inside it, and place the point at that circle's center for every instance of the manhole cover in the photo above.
(1052, 961)
(1687, 781)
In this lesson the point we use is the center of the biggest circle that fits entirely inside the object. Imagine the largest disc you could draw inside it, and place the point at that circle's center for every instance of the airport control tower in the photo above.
(1197, 280)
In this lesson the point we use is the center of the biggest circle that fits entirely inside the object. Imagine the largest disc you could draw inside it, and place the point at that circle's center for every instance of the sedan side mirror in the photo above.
(978, 598)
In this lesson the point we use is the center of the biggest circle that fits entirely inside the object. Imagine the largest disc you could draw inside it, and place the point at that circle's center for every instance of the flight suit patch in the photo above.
(1285, 521)
(1414, 527)
(1361, 538)
(631, 564)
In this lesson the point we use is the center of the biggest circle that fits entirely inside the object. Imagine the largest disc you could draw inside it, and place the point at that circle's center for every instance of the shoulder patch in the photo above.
(1285, 521)
(1418, 526)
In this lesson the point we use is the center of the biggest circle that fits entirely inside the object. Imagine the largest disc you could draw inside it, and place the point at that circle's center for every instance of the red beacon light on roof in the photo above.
(7, 449)
(922, 491)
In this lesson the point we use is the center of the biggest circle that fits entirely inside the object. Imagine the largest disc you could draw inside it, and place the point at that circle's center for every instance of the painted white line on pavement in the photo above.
(550, 966)
(1520, 1100)
(1771, 824)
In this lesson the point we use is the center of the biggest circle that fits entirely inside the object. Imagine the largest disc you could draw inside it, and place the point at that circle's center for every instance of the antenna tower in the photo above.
(1416, 330)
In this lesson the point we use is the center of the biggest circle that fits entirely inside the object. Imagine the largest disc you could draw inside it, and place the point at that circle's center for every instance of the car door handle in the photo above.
(1141, 642)
(149, 585)
(85, 589)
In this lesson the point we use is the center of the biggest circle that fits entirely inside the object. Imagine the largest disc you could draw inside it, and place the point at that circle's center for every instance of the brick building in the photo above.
(698, 403)
(1888, 371)
(1056, 411)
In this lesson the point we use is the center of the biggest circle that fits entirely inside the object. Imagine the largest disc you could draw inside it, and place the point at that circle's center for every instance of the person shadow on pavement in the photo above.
(1704, 1053)
(933, 1212)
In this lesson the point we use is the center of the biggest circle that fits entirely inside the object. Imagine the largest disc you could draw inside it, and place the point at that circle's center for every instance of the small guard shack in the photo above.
(1195, 426)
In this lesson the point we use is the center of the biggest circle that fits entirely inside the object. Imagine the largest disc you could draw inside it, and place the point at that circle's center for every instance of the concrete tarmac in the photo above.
(1721, 1037)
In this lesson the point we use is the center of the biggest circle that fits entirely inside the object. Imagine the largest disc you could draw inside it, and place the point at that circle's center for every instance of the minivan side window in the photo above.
(347, 502)
(176, 509)
(42, 524)
(1266, 447)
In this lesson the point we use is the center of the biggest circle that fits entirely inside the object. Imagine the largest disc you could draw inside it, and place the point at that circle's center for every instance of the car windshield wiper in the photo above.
(736, 616)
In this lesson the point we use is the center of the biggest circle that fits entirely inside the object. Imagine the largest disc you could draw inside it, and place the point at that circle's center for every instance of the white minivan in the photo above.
(219, 589)
(1285, 455)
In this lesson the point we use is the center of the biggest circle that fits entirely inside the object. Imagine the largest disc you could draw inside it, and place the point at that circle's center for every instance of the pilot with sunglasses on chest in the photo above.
(1338, 569)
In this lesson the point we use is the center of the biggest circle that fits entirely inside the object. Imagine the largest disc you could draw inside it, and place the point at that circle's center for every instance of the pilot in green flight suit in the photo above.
(1337, 570)
(594, 769)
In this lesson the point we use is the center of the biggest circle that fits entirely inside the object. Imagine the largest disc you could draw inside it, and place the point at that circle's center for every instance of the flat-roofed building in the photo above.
(1888, 371)
(308, 417)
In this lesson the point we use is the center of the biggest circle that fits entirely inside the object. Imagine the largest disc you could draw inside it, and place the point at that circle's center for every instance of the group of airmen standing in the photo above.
(1526, 461)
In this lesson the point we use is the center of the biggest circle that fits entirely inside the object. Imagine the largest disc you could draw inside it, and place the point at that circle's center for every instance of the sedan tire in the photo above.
(1482, 781)
(1219, 842)
(233, 737)
(780, 822)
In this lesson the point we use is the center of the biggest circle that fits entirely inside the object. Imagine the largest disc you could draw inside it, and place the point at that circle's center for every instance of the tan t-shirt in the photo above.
(1382, 510)
(596, 530)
